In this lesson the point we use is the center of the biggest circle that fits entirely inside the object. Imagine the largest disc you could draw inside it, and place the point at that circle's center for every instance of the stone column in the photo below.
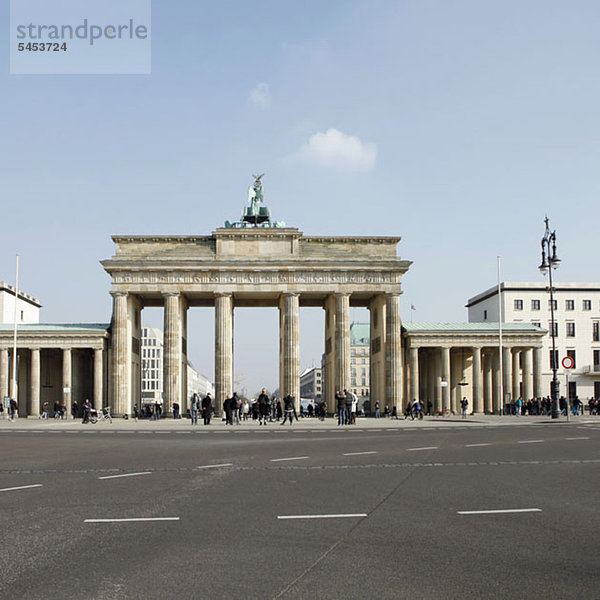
(446, 377)
(516, 375)
(223, 349)
(393, 353)
(414, 374)
(121, 358)
(172, 352)
(487, 383)
(537, 373)
(289, 377)
(67, 378)
(3, 374)
(342, 341)
(437, 380)
(98, 378)
(34, 391)
(507, 372)
(527, 387)
(477, 381)
(497, 402)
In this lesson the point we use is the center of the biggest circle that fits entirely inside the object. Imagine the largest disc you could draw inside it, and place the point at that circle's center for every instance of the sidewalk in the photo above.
(119, 424)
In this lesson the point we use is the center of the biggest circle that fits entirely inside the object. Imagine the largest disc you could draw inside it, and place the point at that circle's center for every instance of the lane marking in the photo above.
(215, 466)
(498, 512)
(577, 438)
(341, 516)
(358, 453)
(476, 445)
(530, 441)
(22, 487)
(425, 448)
(291, 458)
(136, 520)
(125, 475)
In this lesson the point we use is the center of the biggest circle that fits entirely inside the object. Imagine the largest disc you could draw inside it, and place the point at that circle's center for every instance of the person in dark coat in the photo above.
(290, 409)
(263, 405)
(207, 409)
(87, 407)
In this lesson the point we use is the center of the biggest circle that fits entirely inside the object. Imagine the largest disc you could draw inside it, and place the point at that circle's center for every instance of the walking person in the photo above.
(207, 408)
(87, 408)
(234, 407)
(136, 412)
(45, 407)
(194, 406)
(341, 407)
(377, 411)
(263, 407)
(348, 400)
(464, 405)
(289, 409)
(12, 409)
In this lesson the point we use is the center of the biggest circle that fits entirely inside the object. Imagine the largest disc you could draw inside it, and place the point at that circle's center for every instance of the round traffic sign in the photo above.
(568, 362)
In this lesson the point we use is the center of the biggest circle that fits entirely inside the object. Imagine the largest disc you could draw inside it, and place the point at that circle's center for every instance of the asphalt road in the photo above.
(224, 494)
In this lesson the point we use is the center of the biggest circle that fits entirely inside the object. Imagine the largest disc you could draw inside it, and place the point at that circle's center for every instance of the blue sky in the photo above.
(456, 125)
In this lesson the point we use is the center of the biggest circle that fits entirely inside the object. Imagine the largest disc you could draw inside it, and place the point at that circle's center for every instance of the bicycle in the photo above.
(102, 414)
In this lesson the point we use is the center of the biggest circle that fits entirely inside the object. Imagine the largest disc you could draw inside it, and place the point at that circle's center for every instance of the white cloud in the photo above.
(338, 150)
(261, 95)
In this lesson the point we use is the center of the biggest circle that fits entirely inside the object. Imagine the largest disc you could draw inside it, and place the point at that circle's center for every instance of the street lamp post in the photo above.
(550, 261)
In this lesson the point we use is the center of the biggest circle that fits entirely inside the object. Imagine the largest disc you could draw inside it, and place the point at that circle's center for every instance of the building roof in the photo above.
(360, 334)
(9, 289)
(485, 326)
(56, 327)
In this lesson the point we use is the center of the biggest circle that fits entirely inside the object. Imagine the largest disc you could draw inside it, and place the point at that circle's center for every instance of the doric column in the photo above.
(289, 377)
(446, 378)
(393, 352)
(487, 382)
(34, 391)
(537, 373)
(223, 349)
(120, 354)
(67, 378)
(172, 351)
(527, 387)
(437, 380)
(516, 374)
(3, 374)
(507, 372)
(477, 381)
(414, 374)
(98, 378)
(342, 341)
(497, 402)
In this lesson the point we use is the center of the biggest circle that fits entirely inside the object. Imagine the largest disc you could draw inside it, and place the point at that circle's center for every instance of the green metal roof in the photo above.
(56, 327)
(480, 326)
(359, 334)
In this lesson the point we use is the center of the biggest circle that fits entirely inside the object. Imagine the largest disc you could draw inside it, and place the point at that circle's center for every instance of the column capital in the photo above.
(118, 294)
(34, 348)
(290, 294)
(341, 294)
(169, 294)
(223, 294)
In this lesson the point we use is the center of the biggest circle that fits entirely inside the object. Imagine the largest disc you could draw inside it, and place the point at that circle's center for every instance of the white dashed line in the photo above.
(125, 475)
(291, 458)
(359, 453)
(498, 512)
(341, 516)
(425, 448)
(476, 445)
(215, 466)
(21, 487)
(577, 438)
(530, 441)
(136, 520)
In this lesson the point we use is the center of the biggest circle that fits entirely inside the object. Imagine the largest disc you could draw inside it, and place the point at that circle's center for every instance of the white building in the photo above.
(28, 307)
(311, 384)
(577, 327)
(152, 370)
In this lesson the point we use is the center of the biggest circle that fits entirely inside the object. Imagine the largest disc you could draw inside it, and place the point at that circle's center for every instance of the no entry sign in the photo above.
(568, 362)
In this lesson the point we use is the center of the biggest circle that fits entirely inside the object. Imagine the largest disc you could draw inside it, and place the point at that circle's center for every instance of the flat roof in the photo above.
(479, 326)
(56, 327)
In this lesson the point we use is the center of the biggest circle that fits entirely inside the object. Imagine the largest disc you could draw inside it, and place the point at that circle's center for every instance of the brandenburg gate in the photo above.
(255, 266)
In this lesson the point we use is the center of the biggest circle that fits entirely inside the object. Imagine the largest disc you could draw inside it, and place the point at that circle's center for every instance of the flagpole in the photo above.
(501, 404)
(14, 390)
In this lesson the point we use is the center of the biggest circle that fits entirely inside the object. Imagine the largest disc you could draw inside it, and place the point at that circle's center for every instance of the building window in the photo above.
(554, 363)
(518, 304)
(553, 330)
(596, 331)
(569, 304)
(553, 302)
(535, 305)
(570, 329)
(596, 358)
(571, 354)
(536, 323)
(485, 315)
(587, 305)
